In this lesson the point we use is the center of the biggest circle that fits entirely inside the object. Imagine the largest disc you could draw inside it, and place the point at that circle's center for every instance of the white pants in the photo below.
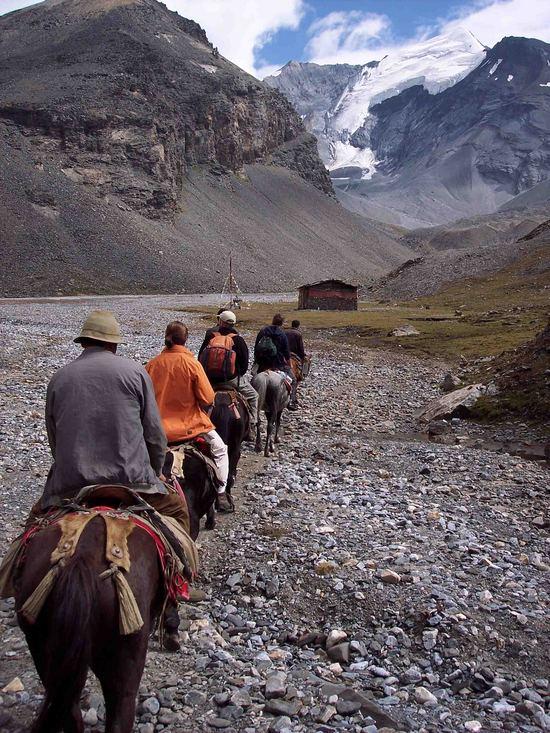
(219, 453)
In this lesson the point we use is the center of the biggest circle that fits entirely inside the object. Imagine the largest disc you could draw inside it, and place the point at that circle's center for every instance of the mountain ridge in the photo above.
(136, 158)
(420, 158)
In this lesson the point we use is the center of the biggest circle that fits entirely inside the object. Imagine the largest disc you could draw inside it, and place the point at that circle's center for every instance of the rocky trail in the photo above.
(367, 582)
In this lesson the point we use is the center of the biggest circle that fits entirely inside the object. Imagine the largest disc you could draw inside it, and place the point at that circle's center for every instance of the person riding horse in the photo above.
(297, 351)
(239, 380)
(104, 427)
(271, 351)
(184, 395)
(295, 340)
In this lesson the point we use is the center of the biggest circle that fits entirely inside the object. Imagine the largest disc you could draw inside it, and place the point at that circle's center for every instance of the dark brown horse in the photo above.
(199, 492)
(78, 627)
(232, 421)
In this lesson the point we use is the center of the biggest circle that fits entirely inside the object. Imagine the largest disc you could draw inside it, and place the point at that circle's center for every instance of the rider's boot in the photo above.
(171, 638)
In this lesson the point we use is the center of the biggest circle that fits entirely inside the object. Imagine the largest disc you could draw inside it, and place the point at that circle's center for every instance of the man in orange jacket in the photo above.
(183, 395)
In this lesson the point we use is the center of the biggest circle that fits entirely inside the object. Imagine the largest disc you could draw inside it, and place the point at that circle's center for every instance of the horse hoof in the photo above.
(171, 642)
(210, 525)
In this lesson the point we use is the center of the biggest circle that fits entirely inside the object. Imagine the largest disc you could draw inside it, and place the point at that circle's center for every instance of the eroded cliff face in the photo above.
(126, 97)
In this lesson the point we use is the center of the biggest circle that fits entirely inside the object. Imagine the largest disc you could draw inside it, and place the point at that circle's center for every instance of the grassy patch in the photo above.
(473, 318)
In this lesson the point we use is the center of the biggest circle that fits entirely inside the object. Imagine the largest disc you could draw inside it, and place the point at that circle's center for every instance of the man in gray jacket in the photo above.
(102, 419)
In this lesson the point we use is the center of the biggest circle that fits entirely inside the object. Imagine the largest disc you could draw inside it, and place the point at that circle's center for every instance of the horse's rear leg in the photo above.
(269, 439)
(278, 426)
(120, 674)
(57, 713)
(258, 446)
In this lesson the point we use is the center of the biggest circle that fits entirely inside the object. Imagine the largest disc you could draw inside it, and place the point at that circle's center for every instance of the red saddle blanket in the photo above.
(176, 586)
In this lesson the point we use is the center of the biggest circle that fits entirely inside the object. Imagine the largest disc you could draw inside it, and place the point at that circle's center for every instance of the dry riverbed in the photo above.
(425, 565)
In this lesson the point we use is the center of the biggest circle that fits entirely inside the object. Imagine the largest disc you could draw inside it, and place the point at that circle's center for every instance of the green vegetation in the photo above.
(473, 318)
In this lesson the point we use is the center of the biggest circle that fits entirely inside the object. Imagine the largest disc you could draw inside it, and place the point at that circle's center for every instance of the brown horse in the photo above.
(232, 421)
(78, 627)
(300, 368)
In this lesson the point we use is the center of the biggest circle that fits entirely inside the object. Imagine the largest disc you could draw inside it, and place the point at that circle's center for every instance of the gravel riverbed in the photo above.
(368, 581)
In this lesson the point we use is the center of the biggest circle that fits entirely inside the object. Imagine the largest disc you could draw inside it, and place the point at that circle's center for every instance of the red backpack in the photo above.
(219, 359)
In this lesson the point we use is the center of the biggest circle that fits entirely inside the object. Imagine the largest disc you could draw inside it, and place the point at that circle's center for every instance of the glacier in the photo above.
(436, 64)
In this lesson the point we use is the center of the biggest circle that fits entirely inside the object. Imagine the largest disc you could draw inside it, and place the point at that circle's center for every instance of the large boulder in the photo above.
(458, 402)
(406, 330)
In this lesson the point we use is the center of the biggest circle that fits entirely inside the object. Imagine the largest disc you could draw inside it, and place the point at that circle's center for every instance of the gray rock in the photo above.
(340, 652)
(194, 697)
(348, 707)
(424, 696)
(219, 723)
(336, 636)
(150, 705)
(405, 330)
(275, 685)
(281, 725)
(282, 707)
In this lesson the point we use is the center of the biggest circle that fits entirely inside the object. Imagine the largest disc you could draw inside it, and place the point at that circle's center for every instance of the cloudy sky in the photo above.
(262, 35)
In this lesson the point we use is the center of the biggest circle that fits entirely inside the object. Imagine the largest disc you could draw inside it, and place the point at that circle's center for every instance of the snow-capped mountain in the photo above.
(343, 127)
(442, 131)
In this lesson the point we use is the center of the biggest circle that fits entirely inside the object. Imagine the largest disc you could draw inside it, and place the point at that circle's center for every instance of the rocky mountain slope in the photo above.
(522, 380)
(468, 248)
(135, 157)
(407, 151)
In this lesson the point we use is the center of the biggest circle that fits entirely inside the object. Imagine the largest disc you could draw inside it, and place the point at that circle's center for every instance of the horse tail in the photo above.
(68, 653)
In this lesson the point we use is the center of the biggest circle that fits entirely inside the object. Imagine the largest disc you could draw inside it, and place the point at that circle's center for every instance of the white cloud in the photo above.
(241, 28)
(347, 37)
(356, 37)
(491, 20)
(6, 6)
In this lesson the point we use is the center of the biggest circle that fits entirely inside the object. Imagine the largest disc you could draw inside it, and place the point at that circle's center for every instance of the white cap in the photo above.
(228, 317)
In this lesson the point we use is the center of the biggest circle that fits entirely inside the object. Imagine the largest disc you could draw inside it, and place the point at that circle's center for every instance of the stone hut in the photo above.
(328, 295)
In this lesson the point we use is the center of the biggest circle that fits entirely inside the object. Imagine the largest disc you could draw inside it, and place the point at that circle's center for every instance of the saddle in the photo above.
(121, 509)
(174, 464)
(235, 398)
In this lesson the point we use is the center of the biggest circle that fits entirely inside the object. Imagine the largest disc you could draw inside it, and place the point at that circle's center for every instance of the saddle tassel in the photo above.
(130, 618)
(35, 602)
(8, 566)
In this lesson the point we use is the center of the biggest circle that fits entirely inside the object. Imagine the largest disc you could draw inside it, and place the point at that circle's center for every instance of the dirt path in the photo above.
(431, 560)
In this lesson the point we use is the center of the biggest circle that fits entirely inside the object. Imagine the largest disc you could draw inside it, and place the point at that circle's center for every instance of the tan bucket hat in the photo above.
(100, 326)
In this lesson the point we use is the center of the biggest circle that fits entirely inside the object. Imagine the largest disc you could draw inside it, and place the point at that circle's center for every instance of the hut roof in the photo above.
(332, 281)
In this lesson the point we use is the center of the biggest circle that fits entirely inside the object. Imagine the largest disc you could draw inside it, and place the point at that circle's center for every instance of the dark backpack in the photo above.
(266, 350)
(219, 359)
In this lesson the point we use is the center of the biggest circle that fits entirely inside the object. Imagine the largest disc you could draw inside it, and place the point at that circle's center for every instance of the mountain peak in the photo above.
(86, 7)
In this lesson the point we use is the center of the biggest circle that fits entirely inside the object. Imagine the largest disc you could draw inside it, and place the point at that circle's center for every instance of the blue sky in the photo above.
(262, 35)
(404, 15)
